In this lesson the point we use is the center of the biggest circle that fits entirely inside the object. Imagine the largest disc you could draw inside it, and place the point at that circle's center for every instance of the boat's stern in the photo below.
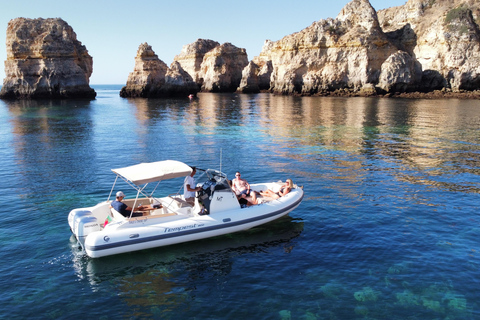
(84, 221)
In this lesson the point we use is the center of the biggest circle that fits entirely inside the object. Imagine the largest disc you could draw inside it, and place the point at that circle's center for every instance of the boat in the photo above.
(277, 234)
(103, 231)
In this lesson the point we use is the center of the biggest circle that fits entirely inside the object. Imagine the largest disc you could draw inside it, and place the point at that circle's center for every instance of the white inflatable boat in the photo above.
(103, 231)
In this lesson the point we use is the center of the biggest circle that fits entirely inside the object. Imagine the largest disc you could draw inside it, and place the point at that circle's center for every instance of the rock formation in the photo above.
(222, 67)
(399, 73)
(346, 52)
(191, 57)
(152, 78)
(203, 65)
(447, 40)
(421, 46)
(178, 82)
(45, 60)
(214, 67)
(256, 77)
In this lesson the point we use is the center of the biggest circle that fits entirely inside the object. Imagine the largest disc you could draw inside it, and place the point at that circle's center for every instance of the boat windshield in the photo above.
(215, 177)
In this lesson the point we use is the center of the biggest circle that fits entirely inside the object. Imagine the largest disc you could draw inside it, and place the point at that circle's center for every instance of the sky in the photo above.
(112, 30)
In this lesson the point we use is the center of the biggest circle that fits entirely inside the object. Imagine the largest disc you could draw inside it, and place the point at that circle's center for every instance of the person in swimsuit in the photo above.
(242, 199)
(284, 189)
(240, 186)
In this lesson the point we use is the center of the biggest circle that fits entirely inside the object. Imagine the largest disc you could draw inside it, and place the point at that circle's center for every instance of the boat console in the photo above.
(216, 193)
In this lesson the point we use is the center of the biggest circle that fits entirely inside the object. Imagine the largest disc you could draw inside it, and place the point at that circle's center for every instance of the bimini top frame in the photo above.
(144, 173)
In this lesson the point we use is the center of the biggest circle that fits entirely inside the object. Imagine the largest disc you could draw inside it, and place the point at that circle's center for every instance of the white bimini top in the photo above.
(154, 171)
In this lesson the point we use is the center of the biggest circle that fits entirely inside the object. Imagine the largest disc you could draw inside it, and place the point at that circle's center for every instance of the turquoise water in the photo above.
(389, 227)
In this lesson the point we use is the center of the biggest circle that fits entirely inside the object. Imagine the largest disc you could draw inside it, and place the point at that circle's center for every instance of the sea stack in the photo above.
(222, 68)
(151, 77)
(45, 61)
(214, 67)
(191, 57)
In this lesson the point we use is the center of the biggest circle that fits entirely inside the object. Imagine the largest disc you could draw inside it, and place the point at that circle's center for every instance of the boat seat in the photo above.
(180, 202)
(183, 203)
(163, 215)
(161, 212)
(116, 214)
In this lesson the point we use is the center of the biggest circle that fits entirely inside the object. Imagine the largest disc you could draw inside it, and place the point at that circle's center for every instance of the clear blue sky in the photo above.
(112, 30)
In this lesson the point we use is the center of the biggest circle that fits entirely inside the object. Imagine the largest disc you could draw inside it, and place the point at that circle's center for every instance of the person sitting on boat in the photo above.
(284, 189)
(240, 186)
(189, 188)
(244, 202)
(125, 210)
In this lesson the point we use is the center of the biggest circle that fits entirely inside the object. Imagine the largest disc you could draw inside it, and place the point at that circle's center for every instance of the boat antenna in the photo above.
(220, 159)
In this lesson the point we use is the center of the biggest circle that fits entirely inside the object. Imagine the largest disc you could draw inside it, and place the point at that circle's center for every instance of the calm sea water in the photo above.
(389, 227)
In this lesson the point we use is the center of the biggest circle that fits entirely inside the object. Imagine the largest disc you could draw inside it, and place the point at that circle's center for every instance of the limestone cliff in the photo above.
(256, 77)
(346, 52)
(191, 57)
(178, 82)
(151, 77)
(443, 36)
(45, 60)
(214, 67)
(421, 46)
(222, 67)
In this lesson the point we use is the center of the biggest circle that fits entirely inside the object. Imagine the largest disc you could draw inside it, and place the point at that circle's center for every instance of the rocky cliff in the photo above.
(45, 60)
(214, 67)
(191, 58)
(222, 67)
(421, 46)
(442, 36)
(203, 65)
(152, 78)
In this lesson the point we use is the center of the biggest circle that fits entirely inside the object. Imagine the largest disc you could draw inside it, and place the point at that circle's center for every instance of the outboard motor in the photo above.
(74, 214)
(84, 225)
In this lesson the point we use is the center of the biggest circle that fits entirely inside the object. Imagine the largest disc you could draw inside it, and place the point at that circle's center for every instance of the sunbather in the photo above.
(284, 189)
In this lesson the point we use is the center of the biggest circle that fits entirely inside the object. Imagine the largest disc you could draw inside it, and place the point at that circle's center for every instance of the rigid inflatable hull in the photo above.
(144, 234)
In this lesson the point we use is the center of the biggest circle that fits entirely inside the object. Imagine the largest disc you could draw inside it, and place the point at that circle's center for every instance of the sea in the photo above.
(389, 227)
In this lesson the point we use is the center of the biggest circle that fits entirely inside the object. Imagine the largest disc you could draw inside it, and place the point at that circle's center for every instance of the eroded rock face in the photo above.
(423, 45)
(151, 77)
(256, 75)
(214, 67)
(178, 82)
(222, 67)
(447, 40)
(331, 54)
(148, 74)
(400, 73)
(45, 60)
(203, 65)
(191, 57)
(249, 82)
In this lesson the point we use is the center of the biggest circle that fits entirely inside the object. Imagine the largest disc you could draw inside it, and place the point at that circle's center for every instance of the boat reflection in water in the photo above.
(158, 270)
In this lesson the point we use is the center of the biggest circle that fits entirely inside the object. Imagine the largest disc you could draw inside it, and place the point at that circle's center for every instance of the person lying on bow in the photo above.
(284, 189)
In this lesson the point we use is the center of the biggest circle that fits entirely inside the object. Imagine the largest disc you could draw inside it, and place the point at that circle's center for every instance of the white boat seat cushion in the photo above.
(116, 214)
